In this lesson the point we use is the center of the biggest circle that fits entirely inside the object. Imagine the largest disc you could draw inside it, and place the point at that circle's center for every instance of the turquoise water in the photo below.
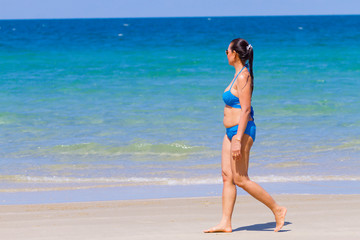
(94, 103)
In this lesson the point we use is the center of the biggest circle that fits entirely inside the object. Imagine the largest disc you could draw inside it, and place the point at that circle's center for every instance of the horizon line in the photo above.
(285, 15)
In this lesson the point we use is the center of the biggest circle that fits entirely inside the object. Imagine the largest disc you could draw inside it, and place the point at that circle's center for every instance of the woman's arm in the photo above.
(244, 92)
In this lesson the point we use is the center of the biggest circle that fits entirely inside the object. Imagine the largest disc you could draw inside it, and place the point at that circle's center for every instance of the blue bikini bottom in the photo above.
(250, 130)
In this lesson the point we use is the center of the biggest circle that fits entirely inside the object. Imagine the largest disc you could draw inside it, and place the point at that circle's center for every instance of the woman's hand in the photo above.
(236, 147)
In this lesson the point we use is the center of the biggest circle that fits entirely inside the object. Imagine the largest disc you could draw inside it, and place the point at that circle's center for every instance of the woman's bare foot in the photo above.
(219, 228)
(280, 218)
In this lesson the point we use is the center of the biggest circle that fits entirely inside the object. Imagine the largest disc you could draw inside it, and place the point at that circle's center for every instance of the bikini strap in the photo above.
(236, 77)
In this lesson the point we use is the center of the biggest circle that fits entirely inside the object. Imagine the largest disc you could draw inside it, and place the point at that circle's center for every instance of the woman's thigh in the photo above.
(226, 158)
(240, 166)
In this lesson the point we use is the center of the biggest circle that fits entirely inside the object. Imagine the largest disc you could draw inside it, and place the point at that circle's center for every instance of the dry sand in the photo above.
(309, 217)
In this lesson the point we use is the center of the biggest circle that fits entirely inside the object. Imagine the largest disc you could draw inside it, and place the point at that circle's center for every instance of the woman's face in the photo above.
(231, 55)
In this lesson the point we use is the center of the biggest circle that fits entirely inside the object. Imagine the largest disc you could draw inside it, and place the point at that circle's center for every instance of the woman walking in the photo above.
(239, 138)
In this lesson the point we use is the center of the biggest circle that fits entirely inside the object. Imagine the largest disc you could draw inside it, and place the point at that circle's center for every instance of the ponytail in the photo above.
(246, 54)
(251, 58)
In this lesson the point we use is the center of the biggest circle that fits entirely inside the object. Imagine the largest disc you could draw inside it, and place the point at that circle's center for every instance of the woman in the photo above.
(240, 135)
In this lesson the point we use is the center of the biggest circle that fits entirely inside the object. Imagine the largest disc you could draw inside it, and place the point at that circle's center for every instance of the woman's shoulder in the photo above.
(243, 79)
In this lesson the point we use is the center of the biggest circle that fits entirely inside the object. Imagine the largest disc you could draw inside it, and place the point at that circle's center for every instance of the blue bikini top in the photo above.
(231, 100)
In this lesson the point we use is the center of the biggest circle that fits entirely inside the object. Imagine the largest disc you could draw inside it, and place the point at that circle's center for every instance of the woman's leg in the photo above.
(240, 174)
(229, 190)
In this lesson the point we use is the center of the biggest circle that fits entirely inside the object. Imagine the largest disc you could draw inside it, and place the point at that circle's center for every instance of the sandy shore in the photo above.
(309, 217)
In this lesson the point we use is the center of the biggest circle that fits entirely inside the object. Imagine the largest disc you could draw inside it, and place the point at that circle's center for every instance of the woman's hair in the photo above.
(245, 53)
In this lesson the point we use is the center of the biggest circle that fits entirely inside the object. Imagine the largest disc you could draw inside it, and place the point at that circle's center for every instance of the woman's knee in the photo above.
(241, 181)
(227, 176)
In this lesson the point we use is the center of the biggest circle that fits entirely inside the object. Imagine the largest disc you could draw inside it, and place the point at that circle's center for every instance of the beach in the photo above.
(112, 128)
(314, 216)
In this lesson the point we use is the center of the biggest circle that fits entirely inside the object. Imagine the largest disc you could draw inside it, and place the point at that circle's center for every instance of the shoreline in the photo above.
(146, 192)
(309, 217)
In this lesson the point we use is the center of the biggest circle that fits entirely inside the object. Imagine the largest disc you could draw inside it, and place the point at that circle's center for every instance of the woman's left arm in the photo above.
(244, 91)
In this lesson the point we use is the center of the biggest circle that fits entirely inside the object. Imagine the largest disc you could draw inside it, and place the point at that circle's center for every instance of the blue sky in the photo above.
(29, 9)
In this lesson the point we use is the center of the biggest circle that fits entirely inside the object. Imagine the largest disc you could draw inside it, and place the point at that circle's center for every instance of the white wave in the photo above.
(170, 181)
(64, 183)
(306, 178)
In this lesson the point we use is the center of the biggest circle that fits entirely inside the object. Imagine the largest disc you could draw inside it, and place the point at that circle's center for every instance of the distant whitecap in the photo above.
(14, 29)
(300, 28)
(125, 24)
(120, 34)
(209, 19)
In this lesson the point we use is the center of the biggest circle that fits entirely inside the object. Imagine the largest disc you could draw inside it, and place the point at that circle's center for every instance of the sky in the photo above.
(40, 9)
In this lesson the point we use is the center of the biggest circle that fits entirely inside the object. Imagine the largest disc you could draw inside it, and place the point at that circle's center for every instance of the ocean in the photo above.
(107, 109)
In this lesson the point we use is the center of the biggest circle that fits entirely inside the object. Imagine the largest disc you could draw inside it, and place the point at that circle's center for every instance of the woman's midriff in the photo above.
(232, 116)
